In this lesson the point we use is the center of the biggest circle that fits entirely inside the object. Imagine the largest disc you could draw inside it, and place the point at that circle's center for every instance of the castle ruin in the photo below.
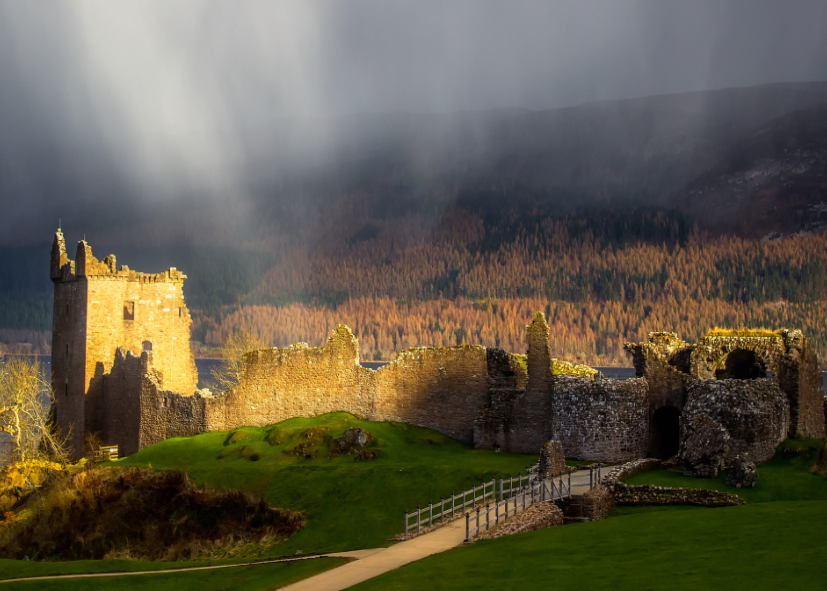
(122, 369)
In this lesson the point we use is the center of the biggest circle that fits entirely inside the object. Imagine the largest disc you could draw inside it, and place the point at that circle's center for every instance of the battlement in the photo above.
(85, 265)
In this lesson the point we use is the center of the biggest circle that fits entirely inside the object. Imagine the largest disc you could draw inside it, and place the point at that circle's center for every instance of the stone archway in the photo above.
(742, 364)
(664, 433)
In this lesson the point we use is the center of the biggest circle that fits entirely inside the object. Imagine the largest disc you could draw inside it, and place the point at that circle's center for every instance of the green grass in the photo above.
(349, 504)
(786, 477)
(10, 569)
(243, 578)
(753, 547)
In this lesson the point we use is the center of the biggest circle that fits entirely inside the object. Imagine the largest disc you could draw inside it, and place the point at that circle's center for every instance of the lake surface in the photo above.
(205, 366)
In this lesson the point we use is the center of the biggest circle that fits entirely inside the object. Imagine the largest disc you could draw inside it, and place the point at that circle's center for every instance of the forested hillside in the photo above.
(601, 280)
(678, 213)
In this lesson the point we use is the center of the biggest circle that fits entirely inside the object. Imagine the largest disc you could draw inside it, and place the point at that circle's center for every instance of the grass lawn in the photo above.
(349, 504)
(786, 477)
(753, 547)
(243, 578)
(10, 569)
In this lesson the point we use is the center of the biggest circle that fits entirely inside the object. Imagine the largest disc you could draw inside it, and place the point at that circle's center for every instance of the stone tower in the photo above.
(99, 308)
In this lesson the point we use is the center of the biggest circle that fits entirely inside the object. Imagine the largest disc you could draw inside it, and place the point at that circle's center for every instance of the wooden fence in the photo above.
(519, 499)
(454, 505)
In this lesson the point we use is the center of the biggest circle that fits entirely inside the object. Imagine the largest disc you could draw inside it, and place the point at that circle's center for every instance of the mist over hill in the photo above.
(482, 205)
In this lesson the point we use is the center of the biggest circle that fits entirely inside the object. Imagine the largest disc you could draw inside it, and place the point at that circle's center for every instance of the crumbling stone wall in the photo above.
(755, 413)
(531, 410)
(664, 361)
(135, 411)
(601, 420)
(495, 426)
(791, 359)
(296, 381)
(647, 494)
(440, 388)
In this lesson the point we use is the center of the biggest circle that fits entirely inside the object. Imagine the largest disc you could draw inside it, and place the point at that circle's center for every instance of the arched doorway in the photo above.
(665, 434)
(742, 364)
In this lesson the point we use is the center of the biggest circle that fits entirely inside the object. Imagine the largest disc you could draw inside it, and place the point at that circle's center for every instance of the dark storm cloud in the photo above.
(105, 106)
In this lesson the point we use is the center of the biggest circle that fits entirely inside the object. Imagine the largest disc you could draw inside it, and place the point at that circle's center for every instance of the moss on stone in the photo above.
(565, 368)
(311, 443)
(743, 332)
(275, 436)
(236, 437)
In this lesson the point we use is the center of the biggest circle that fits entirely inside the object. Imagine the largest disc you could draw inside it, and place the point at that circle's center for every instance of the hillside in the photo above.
(348, 503)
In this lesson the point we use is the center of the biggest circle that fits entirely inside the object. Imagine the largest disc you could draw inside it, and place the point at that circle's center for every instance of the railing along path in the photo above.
(486, 504)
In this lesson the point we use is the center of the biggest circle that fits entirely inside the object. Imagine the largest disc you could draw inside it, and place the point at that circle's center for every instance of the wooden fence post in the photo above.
(430, 513)
(477, 530)
(418, 518)
(467, 526)
(487, 515)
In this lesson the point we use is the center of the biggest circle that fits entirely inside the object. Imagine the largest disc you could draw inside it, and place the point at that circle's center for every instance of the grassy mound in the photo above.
(753, 547)
(349, 502)
(133, 513)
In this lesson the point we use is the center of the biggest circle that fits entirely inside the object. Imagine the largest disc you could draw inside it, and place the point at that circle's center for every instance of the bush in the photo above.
(134, 513)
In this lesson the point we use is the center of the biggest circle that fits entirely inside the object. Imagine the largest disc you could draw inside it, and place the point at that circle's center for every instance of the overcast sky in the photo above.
(119, 90)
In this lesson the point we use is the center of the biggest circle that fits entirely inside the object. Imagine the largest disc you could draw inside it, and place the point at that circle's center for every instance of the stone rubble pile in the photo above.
(704, 445)
(740, 472)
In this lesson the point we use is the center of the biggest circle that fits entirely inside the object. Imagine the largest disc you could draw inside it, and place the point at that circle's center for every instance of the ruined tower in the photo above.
(99, 308)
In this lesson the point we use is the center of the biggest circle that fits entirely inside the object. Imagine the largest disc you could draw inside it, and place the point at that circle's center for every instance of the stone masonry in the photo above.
(99, 308)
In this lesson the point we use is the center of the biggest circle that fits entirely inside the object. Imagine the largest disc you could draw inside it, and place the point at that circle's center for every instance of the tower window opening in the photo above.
(129, 311)
(742, 364)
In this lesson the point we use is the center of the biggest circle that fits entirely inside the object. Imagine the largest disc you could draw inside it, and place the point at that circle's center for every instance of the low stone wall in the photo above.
(618, 473)
(596, 503)
(166, 414)
(647, 494)
(602, 420)
(539, 516)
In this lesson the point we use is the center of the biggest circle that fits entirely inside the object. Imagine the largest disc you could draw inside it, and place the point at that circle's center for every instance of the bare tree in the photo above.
(25, 402)
(228, 373)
